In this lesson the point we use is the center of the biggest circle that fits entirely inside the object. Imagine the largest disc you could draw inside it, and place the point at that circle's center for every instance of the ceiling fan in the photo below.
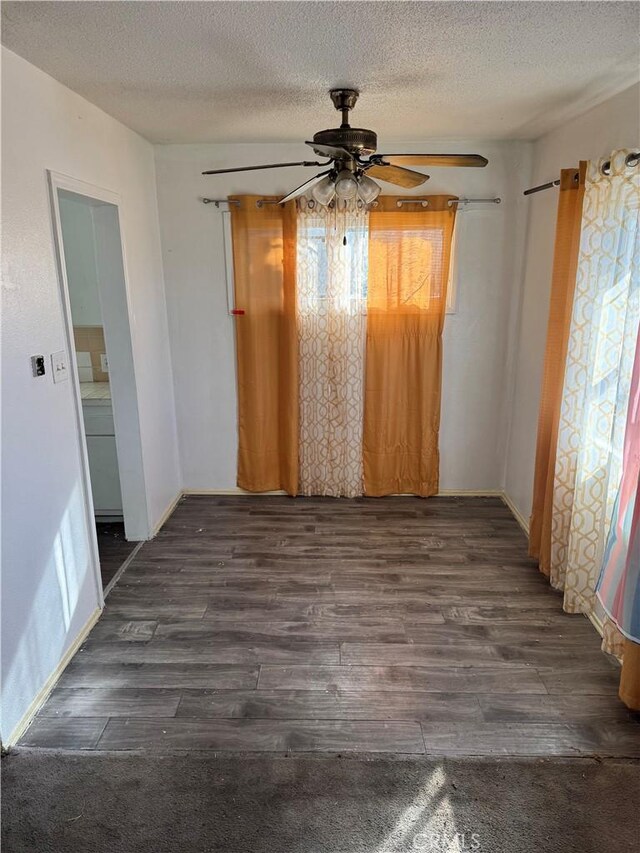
(353, 161)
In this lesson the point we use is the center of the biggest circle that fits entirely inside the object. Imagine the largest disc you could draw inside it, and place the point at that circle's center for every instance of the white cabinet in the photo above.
(103, 459)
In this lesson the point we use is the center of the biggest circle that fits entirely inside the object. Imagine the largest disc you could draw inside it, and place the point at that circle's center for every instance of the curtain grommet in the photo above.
(632, 159)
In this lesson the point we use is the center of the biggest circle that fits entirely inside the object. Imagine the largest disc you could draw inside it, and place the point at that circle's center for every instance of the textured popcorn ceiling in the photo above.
(249, 71)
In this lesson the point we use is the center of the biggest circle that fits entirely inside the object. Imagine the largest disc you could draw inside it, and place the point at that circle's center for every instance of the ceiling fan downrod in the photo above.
(344, 100)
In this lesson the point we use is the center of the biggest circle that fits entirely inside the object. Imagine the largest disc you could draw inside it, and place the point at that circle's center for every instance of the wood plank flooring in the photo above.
(395, 625)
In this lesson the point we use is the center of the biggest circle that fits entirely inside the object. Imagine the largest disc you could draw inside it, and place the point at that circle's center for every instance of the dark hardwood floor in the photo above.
(113, 549)
(395, 625)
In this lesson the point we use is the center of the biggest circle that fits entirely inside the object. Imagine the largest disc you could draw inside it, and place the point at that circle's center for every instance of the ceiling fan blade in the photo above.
(269, 166)
(332, 151)
(434, 159)
(301, 190)
(397, 175)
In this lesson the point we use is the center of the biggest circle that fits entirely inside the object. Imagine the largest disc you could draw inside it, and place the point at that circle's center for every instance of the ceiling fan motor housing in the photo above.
(356, 140)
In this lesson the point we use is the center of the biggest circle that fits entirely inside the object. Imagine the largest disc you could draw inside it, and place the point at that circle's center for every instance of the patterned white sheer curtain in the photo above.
(332, 250)
(604, 328)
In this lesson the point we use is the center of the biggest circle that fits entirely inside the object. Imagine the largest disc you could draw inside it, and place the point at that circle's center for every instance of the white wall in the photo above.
(48, 594)
(82, 273)
(613, 124)
(477, 361)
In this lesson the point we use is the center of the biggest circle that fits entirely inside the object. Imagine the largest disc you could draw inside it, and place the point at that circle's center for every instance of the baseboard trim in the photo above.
(51, 682)
(236, 491)
(469, 493)
(524, 524)
(596, 622)
(166, 514)
(114, 580)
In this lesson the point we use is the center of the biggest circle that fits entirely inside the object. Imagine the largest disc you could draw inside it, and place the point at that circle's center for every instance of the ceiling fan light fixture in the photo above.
(346, 185)
(368, 190)
(324, 191)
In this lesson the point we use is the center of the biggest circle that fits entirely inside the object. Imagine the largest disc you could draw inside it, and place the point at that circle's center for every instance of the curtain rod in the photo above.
(424, 202)
(474, 201)
(401, 201)
(631, 159)
(539, 189)
(219, 201)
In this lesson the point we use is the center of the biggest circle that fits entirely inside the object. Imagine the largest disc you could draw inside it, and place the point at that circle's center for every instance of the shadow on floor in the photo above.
(151, 803)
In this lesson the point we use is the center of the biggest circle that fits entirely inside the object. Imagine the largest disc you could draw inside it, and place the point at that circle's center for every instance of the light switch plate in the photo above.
(60, 366)
(104, 363)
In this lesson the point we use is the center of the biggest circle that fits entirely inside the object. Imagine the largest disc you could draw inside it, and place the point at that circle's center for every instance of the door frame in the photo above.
(130, 496)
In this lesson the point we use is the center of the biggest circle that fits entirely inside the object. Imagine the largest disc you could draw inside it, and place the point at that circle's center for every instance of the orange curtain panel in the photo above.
(264, 260)
(630, 675)
(565, 262)
(409, 253)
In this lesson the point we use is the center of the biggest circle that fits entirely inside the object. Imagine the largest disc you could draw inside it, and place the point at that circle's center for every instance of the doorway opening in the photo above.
(94, 293)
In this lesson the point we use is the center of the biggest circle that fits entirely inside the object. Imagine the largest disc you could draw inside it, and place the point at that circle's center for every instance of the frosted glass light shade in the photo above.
(346, 185)
(324, 191)
(368, 190)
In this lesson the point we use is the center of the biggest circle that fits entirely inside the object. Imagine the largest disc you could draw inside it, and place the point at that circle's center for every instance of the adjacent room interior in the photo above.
(90, 249)
(320, 464)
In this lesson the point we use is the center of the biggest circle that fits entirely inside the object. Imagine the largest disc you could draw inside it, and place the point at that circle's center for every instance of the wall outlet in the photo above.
(37, 365)
(60, 366)
(104, 363)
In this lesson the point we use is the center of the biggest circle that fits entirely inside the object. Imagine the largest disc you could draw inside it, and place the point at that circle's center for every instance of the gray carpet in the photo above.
(192, 803)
